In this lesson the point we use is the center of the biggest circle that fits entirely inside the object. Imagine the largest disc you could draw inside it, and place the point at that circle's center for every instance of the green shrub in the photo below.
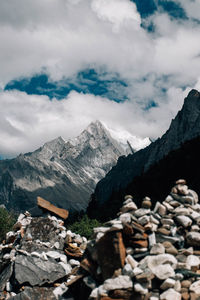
(84, 226)
(7, 221)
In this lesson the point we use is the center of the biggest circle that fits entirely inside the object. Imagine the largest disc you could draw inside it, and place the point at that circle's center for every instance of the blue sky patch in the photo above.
(149, 7)
(89, 81)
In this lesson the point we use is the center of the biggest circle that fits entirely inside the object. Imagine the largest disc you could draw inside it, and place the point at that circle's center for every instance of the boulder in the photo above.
(36, 271)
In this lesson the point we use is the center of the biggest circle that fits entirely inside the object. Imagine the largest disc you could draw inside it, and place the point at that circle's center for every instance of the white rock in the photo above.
(195, 215)
(53, 254)
(20, 218)
(161, 259)
(120, 282)
(74, 262)
(141, 212)
(56, 245)
(102, 292)
(99, 235)
(167, 221)
(140, 289)
(100, 229)
(184, 221)
(163, 271)
(195, 228)
(157, 249)
(168, 198)
(193, 261)
(144, 220)
(137, 271)
(170, 294)
(195, 287)
(63, 234)
(168, 206)
(168, 283)
(60, 290)
(152, 239)
(193, 238)
(177, 286)
(128, 270)
(94, 294)
(154, 220)
(36, 254)
(182, 211)
(66, 267)
(162, 210)
(130, 260)
(129, 206)
(125, 218)
(117, 226)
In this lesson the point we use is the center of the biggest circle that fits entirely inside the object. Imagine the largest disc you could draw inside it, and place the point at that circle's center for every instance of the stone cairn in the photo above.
(143, 254)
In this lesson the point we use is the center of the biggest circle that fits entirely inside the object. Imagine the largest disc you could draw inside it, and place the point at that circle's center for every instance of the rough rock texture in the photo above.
(184, 127)
(64, 173)
(143, 254)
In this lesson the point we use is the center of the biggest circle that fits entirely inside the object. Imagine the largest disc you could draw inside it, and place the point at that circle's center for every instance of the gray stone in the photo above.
(35, 293)
(157, 249)
(141, 212)
(5, 276)
(128, 270)
(144, 220)
(120, 282)
(152, 239)
(128, 207)
(195, 287)
(125, 218)
(139, 288)
(193, 261)
(60, 290)
(163, 271)
(170, 294)
(130, 260)
(182, 211)
(184, 221)
(36, 271)
(193, 238)
(168, 283)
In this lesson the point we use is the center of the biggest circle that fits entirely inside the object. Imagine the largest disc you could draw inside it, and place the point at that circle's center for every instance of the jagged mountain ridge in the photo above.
(64, 172)
(184, 127)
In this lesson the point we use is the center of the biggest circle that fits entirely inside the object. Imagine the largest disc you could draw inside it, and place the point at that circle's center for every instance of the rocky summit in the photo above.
(144, 253)
(63, 172)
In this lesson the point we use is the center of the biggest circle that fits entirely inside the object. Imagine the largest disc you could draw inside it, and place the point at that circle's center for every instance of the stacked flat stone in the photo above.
(156, 253)
(39, 252)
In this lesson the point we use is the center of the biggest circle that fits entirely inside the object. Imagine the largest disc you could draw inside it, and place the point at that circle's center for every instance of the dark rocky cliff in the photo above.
(184, 127)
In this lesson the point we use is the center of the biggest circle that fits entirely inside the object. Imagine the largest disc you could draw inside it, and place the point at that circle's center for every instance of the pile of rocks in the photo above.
(143, 254)
(148, 254)
(39, 259)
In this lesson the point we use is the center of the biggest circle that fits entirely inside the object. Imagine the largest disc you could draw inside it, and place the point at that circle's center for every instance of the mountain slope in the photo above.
(62, 172)
(156, 181)
(185, 126)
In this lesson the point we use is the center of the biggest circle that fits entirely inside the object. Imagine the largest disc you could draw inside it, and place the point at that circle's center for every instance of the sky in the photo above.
(66, 63)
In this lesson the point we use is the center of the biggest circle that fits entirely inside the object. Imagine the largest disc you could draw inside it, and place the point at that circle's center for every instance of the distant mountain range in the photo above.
(121, 178)
(63, 172)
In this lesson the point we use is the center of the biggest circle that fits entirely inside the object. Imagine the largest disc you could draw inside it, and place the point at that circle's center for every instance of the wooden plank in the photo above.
(63, 213)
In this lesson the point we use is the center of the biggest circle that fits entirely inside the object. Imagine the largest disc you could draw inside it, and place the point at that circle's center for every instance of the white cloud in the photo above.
(27, 121)
(66, 36)
(118, 12)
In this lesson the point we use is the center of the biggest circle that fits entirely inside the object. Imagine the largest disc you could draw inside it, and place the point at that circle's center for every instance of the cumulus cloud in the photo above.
(28, 121)
(116, 11)
(63, 37)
